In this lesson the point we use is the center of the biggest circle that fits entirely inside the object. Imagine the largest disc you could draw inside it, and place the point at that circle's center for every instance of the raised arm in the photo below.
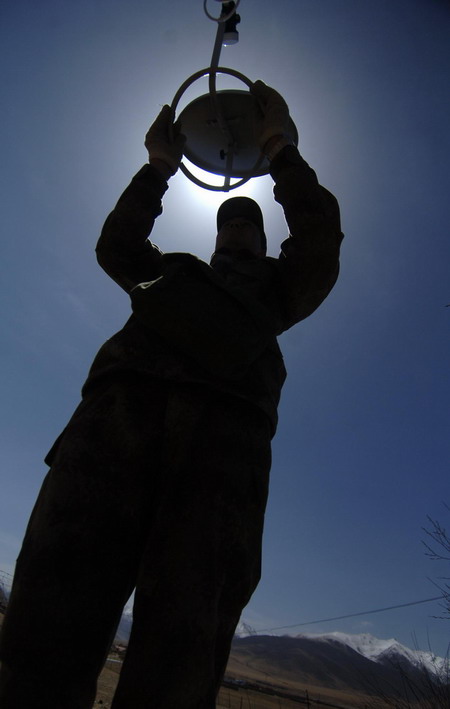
(309, 259)
(124, 250)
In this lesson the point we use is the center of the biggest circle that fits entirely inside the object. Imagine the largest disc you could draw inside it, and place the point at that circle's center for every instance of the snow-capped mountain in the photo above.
(359, 665)
(375, 649)
(355, 664)
(384, 651)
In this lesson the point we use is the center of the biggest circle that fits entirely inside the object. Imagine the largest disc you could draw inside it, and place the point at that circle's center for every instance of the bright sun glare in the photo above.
(202, 196)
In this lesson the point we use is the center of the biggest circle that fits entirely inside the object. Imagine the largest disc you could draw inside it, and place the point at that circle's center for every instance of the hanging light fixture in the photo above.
(221, 126)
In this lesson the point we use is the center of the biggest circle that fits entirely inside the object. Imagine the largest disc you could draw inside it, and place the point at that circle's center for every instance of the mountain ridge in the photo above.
(379, 650)
(346, 664)
(365, 644)
(328, 663)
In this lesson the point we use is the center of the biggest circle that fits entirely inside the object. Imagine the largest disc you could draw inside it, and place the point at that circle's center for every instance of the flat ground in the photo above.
(238, 697)
(228, 698)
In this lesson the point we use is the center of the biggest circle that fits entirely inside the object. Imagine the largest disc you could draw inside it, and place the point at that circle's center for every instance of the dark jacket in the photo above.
(174, 339)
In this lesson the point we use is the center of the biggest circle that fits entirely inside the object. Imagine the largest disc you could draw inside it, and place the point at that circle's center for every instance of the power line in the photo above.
(351, 615)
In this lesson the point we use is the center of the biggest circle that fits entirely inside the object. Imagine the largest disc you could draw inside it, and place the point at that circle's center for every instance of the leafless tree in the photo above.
(437, 548)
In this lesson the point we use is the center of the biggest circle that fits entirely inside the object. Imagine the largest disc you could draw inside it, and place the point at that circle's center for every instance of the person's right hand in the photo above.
(159, 144)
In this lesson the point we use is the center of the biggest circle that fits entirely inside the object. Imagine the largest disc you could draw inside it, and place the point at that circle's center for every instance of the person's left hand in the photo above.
(159, 144)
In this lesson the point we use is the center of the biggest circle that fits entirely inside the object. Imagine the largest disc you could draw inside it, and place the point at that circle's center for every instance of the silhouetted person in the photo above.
(159, 481)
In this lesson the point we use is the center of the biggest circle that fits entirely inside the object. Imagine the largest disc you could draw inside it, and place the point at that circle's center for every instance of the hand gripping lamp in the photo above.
(221, 126)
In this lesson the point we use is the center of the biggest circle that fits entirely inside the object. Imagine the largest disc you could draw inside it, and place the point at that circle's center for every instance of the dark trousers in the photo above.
(156, 488)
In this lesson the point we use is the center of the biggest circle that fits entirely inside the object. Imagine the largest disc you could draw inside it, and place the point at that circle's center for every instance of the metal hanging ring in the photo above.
(194, 77)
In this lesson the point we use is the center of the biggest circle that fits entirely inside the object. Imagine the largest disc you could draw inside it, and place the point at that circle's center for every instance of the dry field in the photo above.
(243, 698)
(228, 698)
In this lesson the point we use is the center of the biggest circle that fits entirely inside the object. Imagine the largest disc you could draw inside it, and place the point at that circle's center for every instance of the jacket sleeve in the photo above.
(309, 258)
(123, 249)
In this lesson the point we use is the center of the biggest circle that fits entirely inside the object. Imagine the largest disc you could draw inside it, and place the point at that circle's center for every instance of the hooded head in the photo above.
(240, 226)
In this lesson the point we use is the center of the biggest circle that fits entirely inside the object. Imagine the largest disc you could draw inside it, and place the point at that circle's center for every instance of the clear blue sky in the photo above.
(362, 452)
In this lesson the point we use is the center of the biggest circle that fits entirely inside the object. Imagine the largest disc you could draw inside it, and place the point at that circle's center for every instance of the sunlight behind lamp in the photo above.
(222, 127)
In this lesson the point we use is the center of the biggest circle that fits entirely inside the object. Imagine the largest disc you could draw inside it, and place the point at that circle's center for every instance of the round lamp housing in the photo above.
(233, 152)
